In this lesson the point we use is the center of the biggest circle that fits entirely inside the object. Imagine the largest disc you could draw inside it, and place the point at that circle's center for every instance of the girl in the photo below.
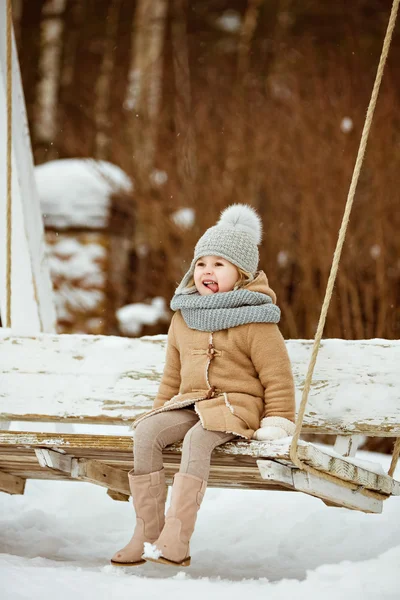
(227, 374)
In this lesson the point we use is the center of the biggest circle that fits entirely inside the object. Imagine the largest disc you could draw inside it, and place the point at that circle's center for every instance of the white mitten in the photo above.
(274, 428)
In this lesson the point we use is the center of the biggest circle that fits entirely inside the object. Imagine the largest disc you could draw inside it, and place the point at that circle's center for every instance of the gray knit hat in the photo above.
(235, 237)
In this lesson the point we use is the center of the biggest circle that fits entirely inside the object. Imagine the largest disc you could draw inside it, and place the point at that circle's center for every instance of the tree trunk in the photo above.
(51, 34)
(144, 89)
(235, 148)
(185, 134)
(142, 101)
(103, 86)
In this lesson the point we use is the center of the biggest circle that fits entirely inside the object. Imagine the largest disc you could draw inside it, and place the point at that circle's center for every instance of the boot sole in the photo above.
(127, 564)
(172, 563)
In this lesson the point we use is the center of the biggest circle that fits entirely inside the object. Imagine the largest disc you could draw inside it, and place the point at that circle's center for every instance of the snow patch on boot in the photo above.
(151, 551)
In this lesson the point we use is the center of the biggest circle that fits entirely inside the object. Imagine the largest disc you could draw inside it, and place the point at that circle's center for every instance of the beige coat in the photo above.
(234, 377)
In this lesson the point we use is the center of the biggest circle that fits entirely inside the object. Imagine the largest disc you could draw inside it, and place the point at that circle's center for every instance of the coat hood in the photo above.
(260, 284)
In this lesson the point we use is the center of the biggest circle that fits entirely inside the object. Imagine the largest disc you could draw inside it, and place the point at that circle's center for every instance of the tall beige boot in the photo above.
(149, 493)
(172, 547)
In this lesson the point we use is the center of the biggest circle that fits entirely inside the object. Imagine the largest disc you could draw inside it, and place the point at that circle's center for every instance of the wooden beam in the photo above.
(118, 496)
(276, 473)
(32, 308)
(238, 476)
(10, 484)
(331, 493)
(94, 471)
(334, 493)
(342, 469)
(64, 441)
(114, 444)
(347, 445)
(54, 460)
(232, 453)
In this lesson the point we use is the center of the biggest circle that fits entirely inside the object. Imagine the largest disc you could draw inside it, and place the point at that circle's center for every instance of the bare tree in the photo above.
(74, 19)
(184, 126)
(143, 94)
(142, 103)
(103, 84)
(45, 124)
(237, 129)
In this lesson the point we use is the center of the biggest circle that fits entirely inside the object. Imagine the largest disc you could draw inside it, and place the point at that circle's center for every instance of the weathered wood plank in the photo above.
(347, 445)
(333, 493)
(92, 378)
(276, 473)
(107, 448)
(11, 484)
(118, 496)
(343, 469)
(239, 472)
(99, 473)
(113, 380)
(54, 460)
(93, 471)
(234, 475)
(32, 308)
(115, 444)
(216, 480)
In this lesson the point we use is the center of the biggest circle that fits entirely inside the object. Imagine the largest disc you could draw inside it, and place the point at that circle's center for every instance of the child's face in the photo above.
(219, 271)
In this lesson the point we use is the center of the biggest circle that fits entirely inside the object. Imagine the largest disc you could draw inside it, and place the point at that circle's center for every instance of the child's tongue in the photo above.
(213, 287)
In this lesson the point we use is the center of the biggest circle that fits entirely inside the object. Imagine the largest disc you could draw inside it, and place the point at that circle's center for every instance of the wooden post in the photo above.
(347, 445)
(10, 484)
(32, 308)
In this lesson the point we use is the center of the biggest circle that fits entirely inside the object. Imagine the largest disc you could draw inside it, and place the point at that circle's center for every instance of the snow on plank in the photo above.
(356, 385)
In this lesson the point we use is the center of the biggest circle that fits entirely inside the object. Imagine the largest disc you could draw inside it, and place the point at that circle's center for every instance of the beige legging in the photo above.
(157, 431)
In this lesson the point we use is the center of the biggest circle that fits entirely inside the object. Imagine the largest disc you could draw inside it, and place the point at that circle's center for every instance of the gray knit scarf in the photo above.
(225, 309)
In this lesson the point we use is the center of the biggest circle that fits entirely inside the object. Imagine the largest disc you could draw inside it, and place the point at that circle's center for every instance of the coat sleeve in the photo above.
(171, 378)
(271, 361)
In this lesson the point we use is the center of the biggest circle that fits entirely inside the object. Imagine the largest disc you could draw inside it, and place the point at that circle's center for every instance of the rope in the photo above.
(395, 458)
(336, 258)
(9, 163)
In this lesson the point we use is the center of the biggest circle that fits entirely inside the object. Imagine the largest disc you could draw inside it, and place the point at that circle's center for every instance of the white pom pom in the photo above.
(242, 217)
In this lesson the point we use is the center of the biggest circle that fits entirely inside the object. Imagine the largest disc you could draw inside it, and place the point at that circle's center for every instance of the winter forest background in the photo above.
(202, 104)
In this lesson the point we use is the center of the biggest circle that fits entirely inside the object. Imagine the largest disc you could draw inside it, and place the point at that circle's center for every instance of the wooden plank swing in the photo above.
(109, 381)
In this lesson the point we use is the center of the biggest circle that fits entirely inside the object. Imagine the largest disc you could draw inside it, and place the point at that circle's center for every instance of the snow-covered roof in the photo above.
(76, 192)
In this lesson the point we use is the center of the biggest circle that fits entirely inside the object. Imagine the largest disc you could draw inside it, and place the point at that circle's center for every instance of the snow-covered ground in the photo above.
(56, 541)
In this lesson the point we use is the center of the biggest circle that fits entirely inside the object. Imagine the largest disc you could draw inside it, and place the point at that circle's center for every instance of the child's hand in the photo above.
(274, 428)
